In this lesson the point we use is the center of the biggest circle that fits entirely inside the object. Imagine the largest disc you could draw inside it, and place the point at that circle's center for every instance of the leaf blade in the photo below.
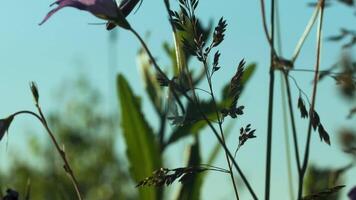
(142, 150)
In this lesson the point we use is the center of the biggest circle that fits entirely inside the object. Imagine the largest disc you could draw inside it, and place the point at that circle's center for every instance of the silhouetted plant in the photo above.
(176, 99)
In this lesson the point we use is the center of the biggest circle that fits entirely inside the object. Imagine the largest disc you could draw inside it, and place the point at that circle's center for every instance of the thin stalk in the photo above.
(284, 108)
(244, 179)
(29, 113)
(62, 153)
(67, 166)
(161, 132)
(270, 108)
(216, 133)
(286, 139)
(291, 115)
(211, 167)
(265, 29)
(313, 98)
(158, 69)
(182, 68)
(220, 127)
(306, 33)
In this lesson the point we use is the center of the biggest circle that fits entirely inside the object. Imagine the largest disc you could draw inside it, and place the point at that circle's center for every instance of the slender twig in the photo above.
(286, 139)
(216, 133)
(291, 115)
(29, 113)
(270, 107)
(237, 149)
(184, 69)
(323, 71)
(285, 87)
(162, 130)
(66, 166)
(207, 92)
(265, 29)
(300, 89)
(313, 98)
(216, 168)
(220, 126)
(62, 153)
(306, 33)
(175, 87)
(156, 66)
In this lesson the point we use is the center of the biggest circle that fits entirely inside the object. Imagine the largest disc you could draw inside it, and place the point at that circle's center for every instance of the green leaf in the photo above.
(170, 51)
(142, 149)
(191, 189)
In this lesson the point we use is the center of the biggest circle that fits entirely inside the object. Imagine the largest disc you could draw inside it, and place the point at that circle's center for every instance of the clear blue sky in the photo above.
(67, 46)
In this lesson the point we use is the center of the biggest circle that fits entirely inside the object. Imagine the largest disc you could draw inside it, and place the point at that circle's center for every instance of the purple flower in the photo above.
(352, 194)
(4, 125)
(104, 9)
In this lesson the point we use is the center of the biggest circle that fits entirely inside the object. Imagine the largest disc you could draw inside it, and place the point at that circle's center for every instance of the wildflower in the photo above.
(352, 194)
(104, 9)
(4, 125)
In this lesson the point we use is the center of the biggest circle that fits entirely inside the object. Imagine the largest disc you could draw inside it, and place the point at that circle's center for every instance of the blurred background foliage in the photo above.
(89, 136)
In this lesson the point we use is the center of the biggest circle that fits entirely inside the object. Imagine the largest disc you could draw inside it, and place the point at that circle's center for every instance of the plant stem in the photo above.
(158, 69)
(202, 113)
(291, 115)
(220, 127)
(66, 166)
(183, 68)
(162, 131)
(264, 22)
(216, 133)
(313, 98)
(286, 139)
(270, 108)
(306, 33)
(284, 106)
(61, 152)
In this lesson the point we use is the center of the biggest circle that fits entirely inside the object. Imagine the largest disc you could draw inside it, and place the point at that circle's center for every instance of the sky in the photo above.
(68, 46)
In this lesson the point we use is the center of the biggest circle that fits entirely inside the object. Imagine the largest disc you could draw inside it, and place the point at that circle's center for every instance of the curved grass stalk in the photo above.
(61, 152)
(313, 99)
(306, 33)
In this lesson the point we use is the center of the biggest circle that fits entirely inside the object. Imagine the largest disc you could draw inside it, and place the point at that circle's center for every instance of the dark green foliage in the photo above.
(324, 184)
(324, 194)
(141, 147)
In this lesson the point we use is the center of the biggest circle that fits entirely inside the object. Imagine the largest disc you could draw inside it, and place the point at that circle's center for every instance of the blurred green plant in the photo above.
(90, 135)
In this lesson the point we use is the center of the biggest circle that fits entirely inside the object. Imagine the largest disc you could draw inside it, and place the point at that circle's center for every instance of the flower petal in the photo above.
(126, 6)
(4, 125)
(62, 4)
(105, 9)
